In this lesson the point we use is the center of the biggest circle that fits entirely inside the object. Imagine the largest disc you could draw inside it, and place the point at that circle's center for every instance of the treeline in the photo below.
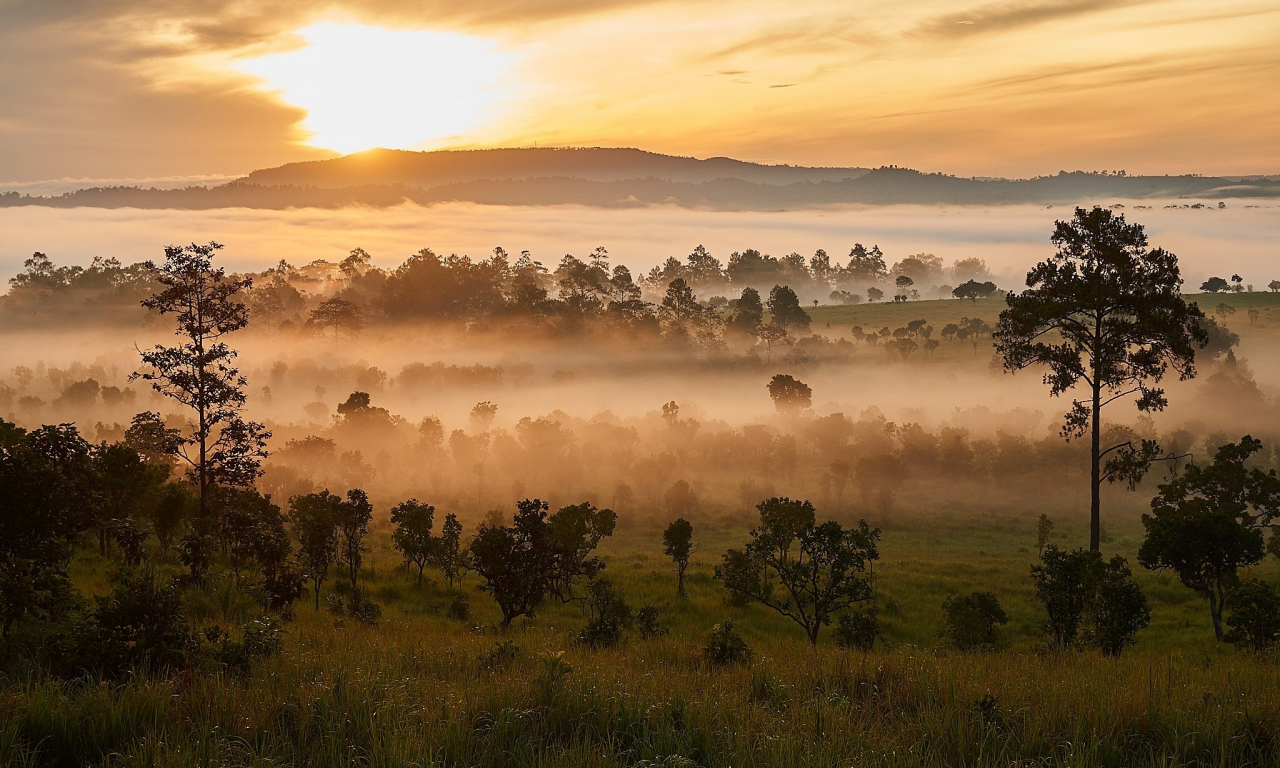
(686, 301)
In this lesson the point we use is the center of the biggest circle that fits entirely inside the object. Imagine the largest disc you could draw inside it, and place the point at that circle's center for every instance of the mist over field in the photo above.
(1009, 238)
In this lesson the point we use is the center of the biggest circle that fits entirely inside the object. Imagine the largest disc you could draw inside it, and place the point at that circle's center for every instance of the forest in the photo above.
(766, 511)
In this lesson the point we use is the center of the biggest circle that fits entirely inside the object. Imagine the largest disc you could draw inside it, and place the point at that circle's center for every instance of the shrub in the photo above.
(361, 608)
(1117, 609)
(140, 623)
(648, 624)
(972, 619)
(503, 653)
(260, 639)
(726, 646)
(459, 608)
(858, 630)
(1254, 621)
(610, 615)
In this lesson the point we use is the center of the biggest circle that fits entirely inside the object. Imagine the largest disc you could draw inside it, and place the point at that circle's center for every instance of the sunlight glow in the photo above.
(364, 87)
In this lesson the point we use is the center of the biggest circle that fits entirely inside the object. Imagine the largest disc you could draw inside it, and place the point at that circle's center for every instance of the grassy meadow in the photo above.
(420, 688)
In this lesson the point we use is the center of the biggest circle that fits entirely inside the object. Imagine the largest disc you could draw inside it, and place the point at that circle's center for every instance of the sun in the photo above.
(364, 87)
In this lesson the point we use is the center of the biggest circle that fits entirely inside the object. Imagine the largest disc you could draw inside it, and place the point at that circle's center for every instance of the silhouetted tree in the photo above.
(412, 537)
(315, 524)
(448, 553)
(1107, 312)
(514, 560)
(789, 394)
(874, 294)
(1254, 621)
(747, 315)
(677, 544)
(974, 290)
(1214, 285)
(1208, 523)
(829, 572)
(785, 310)
(199, 373)
(48, 493)
(353, 517)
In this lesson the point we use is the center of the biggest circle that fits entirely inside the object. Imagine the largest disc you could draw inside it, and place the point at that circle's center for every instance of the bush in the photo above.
(610, 615)
(648, 624)
(858, 631)
(1117, 609)
(361, 608)
(1254, 621)
(972, 620)
(503, 653)
(459, 608)
(726, 646)
(140, 624)
(260, 639)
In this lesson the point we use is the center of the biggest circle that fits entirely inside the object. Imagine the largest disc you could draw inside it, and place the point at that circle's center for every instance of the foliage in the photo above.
(608, 615)
(789, 394)
(858, 630)
(971, 621)
(1089, 600)
(1254, 620)
(648, 623)
(412, 537)
(1117, 609)
(828, 574)
(677, 544)
(352, 522)
(1208, 523)
(315, 525)
(1107, 312)
(726, 646)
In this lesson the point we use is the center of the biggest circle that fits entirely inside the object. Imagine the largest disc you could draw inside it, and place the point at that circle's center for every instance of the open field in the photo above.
(423, 689)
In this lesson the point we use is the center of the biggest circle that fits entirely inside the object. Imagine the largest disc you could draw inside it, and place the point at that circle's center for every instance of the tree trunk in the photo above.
(680, 577)
(1095, 477)
(1215, 607)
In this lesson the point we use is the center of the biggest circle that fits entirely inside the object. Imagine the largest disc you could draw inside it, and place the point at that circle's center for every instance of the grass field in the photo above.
(422, 689)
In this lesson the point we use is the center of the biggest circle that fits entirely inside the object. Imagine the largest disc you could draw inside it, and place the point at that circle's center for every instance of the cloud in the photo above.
(1001, 17)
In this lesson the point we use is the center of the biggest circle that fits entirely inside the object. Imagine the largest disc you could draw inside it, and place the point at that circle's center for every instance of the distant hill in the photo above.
(619, 178)
(429, 169)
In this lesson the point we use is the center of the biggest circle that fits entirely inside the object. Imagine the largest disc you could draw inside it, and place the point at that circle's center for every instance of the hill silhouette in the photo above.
(616, 178)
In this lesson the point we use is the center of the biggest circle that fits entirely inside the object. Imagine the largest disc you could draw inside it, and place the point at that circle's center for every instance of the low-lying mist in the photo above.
(1009, 238)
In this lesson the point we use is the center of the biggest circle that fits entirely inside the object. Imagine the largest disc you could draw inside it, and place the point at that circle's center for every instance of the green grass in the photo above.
(415, 690)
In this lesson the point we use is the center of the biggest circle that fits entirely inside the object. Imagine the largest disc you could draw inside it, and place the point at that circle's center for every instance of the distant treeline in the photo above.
(699, 299)
(882, 186)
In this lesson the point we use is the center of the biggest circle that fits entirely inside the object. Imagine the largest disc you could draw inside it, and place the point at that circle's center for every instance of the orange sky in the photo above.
(149, 88)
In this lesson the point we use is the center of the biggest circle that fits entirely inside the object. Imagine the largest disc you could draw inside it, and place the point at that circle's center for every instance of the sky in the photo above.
(141, 89)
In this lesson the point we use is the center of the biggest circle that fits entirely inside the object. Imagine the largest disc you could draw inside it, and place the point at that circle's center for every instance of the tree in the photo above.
(48, 486)
(514, 560)
(574, 533)
(677, 544)
(199, 373)
(1208, 523)
(448, 554)
(1106, 312)
(874, 294)
(1061, 581)
(1223, 311)
(903, 283)
(412, 537)
(1044, 529)
(829, 572)
(315, 524)
(972, 619)
(789, 395)
(974, 290)
(747, 315)
(1214, 285)
(338, 314)
(785, 310)
(1274, 285)
(353, 517)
